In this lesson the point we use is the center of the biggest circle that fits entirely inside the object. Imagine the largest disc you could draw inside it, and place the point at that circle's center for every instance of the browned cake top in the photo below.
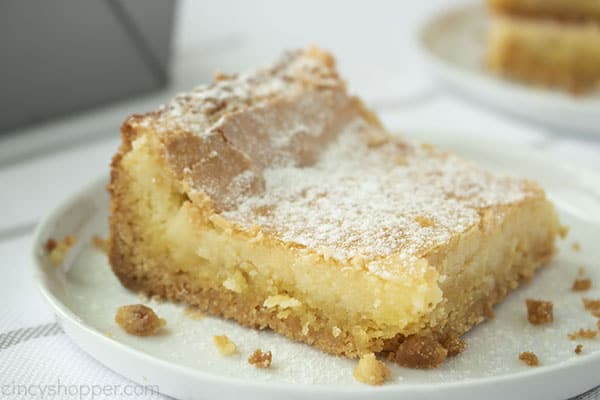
(287, 150)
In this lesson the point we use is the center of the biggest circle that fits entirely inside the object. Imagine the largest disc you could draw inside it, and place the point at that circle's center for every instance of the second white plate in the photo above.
(453, 44)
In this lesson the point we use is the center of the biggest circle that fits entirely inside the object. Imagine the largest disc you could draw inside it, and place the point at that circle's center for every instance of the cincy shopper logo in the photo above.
(59, 390)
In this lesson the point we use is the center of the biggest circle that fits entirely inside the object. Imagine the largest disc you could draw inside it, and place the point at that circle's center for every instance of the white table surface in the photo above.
(41, 165)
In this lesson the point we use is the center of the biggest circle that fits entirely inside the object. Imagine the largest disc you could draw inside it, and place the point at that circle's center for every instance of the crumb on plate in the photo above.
(58, 249)
(260, 359)
(563, 231)
(139, 320)
(578, 349)
(581, 285)
(157, 298)
(193, 312)
(422, 352)
(371, 371)
(100, 243)
(539, 312)
(529, 358)
(576, 246)
(593, 306)
(583, 334)
(225, 346)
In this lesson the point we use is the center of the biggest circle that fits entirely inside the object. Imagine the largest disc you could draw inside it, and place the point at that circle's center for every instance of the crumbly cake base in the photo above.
(249, 312)
(546, 52)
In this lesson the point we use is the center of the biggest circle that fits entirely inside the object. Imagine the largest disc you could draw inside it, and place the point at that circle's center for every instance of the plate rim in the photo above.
(532, 377)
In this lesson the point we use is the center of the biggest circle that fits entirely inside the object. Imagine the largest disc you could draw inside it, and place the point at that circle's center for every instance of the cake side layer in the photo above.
(163, 245)
(546, 53)
(570, 10)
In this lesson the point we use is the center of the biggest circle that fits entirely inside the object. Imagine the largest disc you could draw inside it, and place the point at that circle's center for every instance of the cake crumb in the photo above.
(578, 349)
(335, 331)
(454, 345)
(371, 371)
(563, 231)
(539, 312)
(225, 346)
(193, 312)
(581, 285)
(58, 249)
(305, 328)
(488, 311)
(529, 358)
(583, 334)
(143, 296)
(236, 282)
(260, 359)
(108, 334)
(157, 298)
(400, 160)
(51, 244)
(576, 246)
(376, 140)
(424, 222)
(593, 306)
(221, 76)
(281, 301)
(100, 243)
(421, 352)
(139, 320)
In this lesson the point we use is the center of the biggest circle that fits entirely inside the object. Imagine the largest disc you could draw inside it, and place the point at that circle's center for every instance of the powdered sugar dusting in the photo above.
(357, 201)
(201, 109)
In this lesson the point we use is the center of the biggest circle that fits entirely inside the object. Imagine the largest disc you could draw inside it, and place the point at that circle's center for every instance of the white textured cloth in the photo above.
(37, 360)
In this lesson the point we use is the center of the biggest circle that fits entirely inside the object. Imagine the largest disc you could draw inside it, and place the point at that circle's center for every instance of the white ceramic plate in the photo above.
(453, 44)
(183, 362)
